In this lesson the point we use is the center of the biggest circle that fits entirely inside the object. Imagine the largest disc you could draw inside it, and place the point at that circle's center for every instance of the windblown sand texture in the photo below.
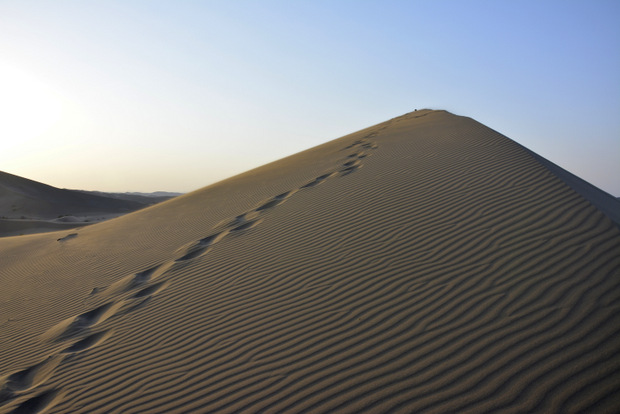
(425, 264)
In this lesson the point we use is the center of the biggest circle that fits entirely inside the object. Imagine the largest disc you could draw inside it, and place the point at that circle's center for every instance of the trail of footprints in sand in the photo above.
(80, 333)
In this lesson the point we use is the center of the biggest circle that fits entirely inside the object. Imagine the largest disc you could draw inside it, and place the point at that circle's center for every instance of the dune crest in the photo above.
(424, 264)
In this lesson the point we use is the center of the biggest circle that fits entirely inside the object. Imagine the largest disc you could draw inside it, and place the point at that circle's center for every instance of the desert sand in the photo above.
(424, 264)
(28, 207)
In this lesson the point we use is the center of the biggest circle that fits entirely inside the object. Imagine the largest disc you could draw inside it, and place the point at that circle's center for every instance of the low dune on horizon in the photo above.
(29, 207)
(426, 264)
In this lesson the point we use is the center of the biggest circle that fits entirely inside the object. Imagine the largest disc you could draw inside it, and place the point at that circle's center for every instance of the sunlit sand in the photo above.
(424, 264)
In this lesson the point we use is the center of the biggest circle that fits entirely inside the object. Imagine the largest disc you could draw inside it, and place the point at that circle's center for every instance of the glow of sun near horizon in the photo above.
(29, 107)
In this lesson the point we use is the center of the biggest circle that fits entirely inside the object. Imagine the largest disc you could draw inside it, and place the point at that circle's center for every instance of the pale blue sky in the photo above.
(154, 95)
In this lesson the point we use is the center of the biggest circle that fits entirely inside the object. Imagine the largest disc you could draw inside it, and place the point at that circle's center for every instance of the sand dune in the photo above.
(24, 197)
(28, 206)
(425, 264)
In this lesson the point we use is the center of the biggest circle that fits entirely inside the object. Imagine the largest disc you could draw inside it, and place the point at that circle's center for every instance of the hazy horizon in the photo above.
(156, 96)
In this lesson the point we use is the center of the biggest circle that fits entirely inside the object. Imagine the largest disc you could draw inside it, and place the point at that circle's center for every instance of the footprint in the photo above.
(144, 296)
(211, 240)
(150, 290)
(311, 184)
(318, 180)
(348, 170)
(240, 219)
(39, 403)
(370, 145)
(77, 324)
(324, 176)
(193, 253)
(88, 342)
(70, 236)
(5, 395)
(350, 166)
(355, 143)
(97, 290)
(130, 282)
(137, 305)
(18, 382)
(30, 377)
(364, 142)
(275, 201)
(358, 155)
(285, 195)
(246, 225)
(351, 163)
(269, 204)
(201, 246)
(97, 315)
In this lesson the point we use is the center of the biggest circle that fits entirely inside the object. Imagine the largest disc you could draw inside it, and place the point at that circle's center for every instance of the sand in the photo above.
(28, 207)
(425, 264)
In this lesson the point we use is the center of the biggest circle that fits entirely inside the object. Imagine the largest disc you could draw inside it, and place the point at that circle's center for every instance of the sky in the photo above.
(176, 95)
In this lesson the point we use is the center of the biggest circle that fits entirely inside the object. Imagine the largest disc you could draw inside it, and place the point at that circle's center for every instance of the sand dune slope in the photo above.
(23, 197)
(425, 264)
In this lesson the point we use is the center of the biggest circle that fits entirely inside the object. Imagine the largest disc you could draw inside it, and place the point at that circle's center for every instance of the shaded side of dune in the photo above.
(26, 198)
(604, 201)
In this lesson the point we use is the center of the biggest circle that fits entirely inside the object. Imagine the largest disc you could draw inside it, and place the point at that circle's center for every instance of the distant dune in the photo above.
(28, 206)
(143, 198)
(427, 264)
